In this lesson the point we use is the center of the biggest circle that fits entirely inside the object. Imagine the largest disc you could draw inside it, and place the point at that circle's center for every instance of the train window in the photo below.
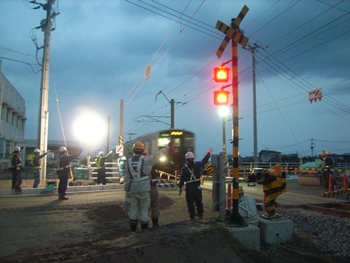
(189, 142)
(162, 142)
(177, 142)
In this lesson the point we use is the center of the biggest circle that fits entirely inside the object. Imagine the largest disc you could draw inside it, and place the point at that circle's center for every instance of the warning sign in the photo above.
(119, 149)
(315, 95)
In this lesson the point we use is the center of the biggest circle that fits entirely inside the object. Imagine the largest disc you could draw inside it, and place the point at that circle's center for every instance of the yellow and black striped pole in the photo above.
(235, 127)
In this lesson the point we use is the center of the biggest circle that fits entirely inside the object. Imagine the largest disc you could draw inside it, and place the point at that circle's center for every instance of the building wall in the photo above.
(12, 119)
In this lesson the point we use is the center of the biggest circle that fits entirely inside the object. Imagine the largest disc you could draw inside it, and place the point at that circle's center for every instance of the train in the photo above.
(183, 140)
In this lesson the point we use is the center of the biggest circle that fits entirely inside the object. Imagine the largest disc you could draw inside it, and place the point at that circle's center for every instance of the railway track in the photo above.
(331, 208)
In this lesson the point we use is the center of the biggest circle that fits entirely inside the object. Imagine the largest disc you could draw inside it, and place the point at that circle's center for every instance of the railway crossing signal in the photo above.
(236, 36)
(221, 97)
(221, 74)
(232, 32)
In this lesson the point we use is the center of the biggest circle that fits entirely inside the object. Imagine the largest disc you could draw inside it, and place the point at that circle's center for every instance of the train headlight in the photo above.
(162, 159)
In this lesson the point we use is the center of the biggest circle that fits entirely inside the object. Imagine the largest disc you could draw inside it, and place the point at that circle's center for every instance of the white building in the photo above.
(12, 120)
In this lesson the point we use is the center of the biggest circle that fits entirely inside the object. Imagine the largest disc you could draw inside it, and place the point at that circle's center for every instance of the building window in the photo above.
(2, 148)
(8, 116)
(3, 112)
(14, 119)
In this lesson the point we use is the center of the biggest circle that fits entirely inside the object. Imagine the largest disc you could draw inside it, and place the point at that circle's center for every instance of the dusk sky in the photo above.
(100, 50)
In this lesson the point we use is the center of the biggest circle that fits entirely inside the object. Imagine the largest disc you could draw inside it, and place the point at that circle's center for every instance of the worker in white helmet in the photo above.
(63, 170)
(101, 168)
(16, 165)
(37, 166)
(190, 176)
(138, 183)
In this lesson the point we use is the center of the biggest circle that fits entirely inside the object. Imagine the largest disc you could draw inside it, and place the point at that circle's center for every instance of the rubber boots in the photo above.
(144, 226)
(62, 197)
(133, 226)
(155, 222)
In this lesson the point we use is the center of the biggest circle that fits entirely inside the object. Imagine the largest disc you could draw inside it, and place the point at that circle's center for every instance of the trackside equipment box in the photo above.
(81, 173)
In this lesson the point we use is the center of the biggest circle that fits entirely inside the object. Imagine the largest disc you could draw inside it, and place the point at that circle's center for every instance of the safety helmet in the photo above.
(138, 147)
(36, 150)
(123, 158)
(62, 149)
(100, 153)
(17, 149)
(189, 155)
(328, 153)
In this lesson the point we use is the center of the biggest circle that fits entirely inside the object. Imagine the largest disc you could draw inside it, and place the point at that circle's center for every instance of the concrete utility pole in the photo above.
(255, 126)
(44, 90)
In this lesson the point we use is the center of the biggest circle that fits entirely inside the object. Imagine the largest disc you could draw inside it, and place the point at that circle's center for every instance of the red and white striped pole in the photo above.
(330, 178)
(345, 183)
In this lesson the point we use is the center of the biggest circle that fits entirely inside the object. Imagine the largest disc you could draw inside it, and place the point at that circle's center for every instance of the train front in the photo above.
(183, 141)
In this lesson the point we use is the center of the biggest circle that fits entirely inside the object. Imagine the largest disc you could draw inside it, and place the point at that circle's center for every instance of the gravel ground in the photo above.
(330, 234)
(99, 232)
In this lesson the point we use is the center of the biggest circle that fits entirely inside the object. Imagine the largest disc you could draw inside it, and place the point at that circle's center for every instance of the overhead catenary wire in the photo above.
(60, 117)
(170, 44)
(303, 86)
(132, 96)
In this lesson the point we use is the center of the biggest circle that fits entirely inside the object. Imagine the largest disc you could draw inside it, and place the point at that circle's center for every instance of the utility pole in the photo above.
(44, 89)
(255, 126)
(312, 147)
(172, 102)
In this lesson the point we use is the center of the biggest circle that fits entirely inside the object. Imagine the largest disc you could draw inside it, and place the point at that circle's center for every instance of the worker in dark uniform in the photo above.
(190, 175)
(63, 170)
(16, 165)
(37, 167)
(328, 169)
(101, 168)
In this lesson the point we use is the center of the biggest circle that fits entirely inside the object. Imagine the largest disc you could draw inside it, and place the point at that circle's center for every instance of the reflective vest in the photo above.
(135, 168)
(98, 162)
(36, 162)
(192, 178)
(12, 156)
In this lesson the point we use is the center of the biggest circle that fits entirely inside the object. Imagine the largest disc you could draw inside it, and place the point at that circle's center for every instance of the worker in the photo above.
(63, 170)
(16, 165)
(122, 169)
(155, 210)
(138, 183)
(247, 208)
(190, 175)
(101, 168)
(328, 169)
(37, 166)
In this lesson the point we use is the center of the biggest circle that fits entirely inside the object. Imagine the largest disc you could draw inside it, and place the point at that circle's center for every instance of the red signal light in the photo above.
(221, 97)
(221, 74)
